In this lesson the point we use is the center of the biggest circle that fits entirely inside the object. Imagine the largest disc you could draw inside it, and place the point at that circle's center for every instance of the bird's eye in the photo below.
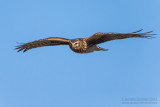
(76, 43)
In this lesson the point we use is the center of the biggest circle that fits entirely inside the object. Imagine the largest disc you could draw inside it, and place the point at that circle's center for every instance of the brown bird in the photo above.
(83, 45)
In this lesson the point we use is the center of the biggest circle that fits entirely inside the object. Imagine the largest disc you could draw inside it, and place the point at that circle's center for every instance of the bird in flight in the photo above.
(83, 45)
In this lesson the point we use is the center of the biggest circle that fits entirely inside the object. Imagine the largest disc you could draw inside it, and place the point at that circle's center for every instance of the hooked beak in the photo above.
(72, 44)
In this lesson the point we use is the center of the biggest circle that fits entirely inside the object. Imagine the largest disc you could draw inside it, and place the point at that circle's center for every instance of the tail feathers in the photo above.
(101, 49)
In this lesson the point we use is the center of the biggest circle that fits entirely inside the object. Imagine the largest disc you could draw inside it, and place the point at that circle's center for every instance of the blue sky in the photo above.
(58, 77)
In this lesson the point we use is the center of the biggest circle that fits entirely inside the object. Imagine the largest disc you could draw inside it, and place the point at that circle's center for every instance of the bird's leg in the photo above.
(99, 49)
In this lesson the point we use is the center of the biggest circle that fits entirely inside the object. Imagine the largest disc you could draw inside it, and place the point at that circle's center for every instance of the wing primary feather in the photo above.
(138, 31)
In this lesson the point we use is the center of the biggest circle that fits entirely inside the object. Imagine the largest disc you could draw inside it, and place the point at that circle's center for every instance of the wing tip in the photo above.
(147, 35)
(137, 31)
(21, 47)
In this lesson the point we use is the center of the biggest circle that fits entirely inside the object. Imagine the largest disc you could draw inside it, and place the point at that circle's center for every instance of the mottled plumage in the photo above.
(83, 45)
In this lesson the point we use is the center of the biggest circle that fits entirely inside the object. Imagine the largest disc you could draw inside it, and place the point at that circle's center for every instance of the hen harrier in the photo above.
(83, 45)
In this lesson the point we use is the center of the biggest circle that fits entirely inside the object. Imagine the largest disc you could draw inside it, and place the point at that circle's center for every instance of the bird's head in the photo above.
(75, 43)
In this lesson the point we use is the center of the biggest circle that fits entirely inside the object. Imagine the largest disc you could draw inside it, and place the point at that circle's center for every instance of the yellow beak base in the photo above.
(72, 45)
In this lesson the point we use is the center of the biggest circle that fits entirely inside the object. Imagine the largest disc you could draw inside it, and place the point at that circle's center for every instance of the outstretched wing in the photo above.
(43, 42)
(104, 37)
